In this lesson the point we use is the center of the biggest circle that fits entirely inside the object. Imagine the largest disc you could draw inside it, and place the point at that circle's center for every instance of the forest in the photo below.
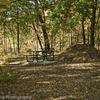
(46, 24)
(63, 36)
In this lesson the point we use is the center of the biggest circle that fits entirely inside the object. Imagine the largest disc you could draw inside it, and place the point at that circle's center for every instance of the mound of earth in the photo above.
(79, 54)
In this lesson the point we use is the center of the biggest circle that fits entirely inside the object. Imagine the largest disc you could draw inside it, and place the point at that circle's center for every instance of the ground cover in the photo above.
(60, 82)
(79, 53)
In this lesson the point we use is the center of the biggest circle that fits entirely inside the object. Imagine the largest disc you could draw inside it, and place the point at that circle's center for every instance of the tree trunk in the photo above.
(5, 41)
(43, 26)
(77, 38)
(10, 45)
(45, 34)
(14, 47)
(51, 40)
(71, 39)
(60, 44)
(18, 33)
(98, 39)
(18, 44)
(92, 27)
(38, 37)
(83, 31)
(98, 30)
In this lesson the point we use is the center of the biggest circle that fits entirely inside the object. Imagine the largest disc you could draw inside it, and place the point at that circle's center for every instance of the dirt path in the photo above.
(63, 82)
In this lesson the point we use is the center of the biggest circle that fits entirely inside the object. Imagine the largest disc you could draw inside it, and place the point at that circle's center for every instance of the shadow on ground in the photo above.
(55, 83)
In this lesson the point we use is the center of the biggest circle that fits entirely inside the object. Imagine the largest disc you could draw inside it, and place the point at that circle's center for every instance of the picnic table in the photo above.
(40, 55)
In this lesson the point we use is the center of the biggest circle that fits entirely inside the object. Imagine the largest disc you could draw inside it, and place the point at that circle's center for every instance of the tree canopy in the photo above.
(49, 23)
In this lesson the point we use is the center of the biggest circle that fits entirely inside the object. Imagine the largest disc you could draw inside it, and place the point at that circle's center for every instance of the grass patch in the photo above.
(8, 76)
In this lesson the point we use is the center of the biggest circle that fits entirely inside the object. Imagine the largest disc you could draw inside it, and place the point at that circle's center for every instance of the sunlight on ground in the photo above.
(98, 69)
(45, 82)
(69, 97)
(73, 75)
(27, 77)
(55, 75)
(98, 77)
(79, 67)
(82, 64)
(64, 75)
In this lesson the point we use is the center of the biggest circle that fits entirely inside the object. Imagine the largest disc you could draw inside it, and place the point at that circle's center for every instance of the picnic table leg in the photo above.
(44, 54)
(33, 56)
(43, 57)
(27, 58)
(37, 53)
(53, 57)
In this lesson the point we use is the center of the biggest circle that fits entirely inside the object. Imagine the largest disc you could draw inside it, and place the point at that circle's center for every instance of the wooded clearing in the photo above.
(49, 49)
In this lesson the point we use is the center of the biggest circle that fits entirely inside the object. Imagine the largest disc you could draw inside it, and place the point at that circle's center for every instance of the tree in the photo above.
(54, 23)
(41, 18)
(93, 21)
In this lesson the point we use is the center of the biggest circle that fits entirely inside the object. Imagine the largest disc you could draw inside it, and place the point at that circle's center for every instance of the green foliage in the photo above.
(84, 7)
(7, 76)
(61, 17)
(29, 51)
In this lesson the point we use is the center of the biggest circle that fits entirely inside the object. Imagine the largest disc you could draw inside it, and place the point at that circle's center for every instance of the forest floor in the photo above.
(75, 76)
(54, 82)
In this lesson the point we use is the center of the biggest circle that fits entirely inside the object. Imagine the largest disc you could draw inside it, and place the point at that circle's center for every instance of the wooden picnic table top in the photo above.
(43, 51)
